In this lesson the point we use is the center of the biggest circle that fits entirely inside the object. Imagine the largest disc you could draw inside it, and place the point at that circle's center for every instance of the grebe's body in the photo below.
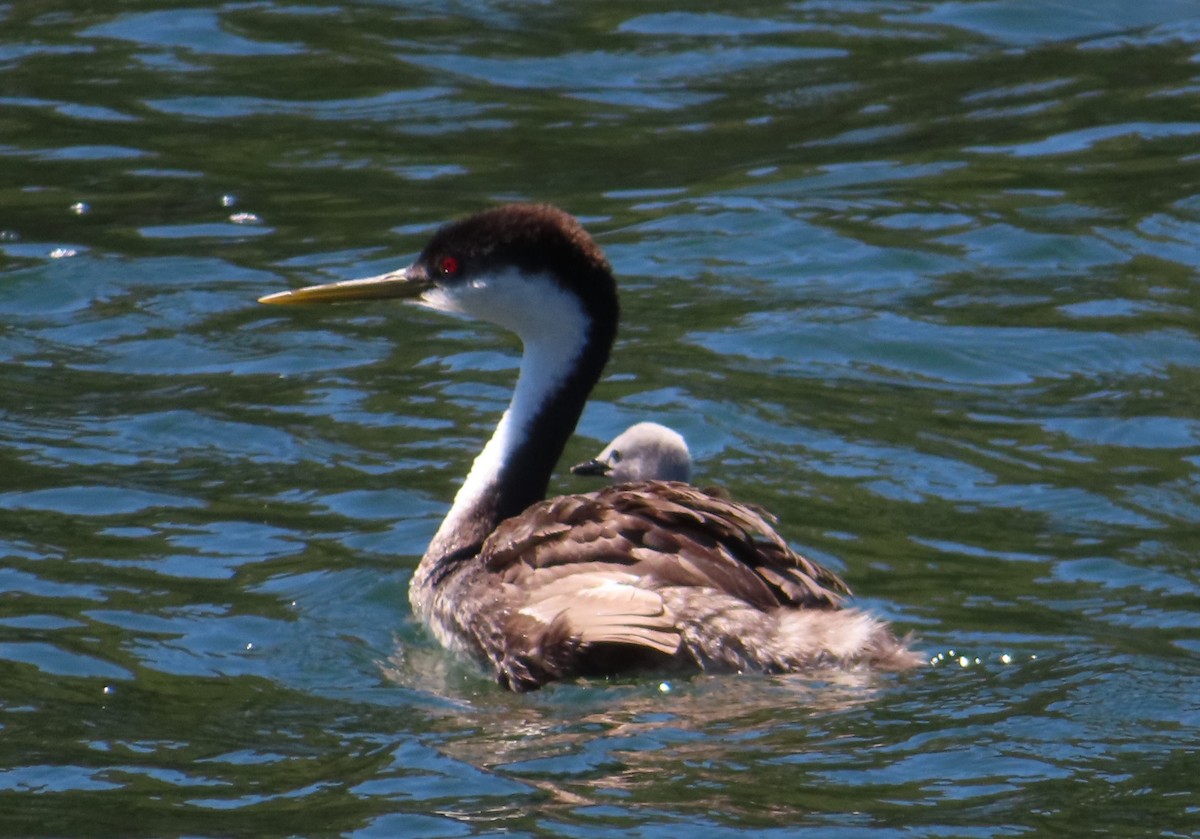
(645, 574)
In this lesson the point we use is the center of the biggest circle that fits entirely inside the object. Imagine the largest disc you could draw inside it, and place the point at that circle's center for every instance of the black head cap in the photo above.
(534, 238)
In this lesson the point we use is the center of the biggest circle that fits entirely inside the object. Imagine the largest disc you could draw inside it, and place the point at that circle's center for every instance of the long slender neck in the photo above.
(559, 367)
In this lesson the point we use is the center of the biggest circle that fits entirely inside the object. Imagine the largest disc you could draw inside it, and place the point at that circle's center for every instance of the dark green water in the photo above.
(921, 278)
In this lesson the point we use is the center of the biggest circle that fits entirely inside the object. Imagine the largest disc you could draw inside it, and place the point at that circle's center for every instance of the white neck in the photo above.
(553, 329)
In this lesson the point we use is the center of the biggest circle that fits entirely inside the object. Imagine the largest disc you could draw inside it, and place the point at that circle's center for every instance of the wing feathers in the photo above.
(672, 533)
(597, 608)
(602, 582)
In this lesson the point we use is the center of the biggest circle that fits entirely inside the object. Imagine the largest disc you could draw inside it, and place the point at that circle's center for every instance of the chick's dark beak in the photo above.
(597, 468)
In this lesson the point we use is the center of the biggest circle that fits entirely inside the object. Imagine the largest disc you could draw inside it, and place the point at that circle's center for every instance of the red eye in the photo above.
(449, 265)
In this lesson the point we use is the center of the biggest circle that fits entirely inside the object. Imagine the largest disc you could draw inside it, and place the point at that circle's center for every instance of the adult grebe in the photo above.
(632, 576)
(645, 451)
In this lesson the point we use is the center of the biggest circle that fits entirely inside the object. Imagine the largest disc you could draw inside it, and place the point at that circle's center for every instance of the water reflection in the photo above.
(583, 743)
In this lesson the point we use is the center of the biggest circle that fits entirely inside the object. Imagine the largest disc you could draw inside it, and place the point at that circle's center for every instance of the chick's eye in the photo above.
(448, 266)
(615, 457)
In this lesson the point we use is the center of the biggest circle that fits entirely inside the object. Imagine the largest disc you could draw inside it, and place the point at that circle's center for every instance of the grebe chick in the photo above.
(646, 451)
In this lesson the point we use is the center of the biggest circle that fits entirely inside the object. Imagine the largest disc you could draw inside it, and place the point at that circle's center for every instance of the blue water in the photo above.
(920, 278)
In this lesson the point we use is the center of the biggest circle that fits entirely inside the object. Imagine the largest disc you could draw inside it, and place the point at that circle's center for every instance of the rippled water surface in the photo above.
(921, 278)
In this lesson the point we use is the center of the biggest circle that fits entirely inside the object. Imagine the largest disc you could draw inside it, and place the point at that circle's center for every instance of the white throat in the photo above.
(553, 329)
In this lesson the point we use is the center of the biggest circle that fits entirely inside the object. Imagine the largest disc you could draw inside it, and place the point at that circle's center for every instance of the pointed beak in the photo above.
(403, 284)
(592, 467)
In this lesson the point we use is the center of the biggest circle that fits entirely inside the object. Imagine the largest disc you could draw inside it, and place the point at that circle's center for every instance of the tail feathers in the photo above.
(842, 637)
(731, 635)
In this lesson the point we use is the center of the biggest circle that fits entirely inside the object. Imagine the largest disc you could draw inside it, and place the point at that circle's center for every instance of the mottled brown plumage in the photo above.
(637, 574)
(674, 532)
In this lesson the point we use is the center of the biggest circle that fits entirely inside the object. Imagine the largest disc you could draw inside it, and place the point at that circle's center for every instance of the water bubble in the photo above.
(228, 200)
(80, 208)
(1006, 659)
(244, 218)
(664, 687)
